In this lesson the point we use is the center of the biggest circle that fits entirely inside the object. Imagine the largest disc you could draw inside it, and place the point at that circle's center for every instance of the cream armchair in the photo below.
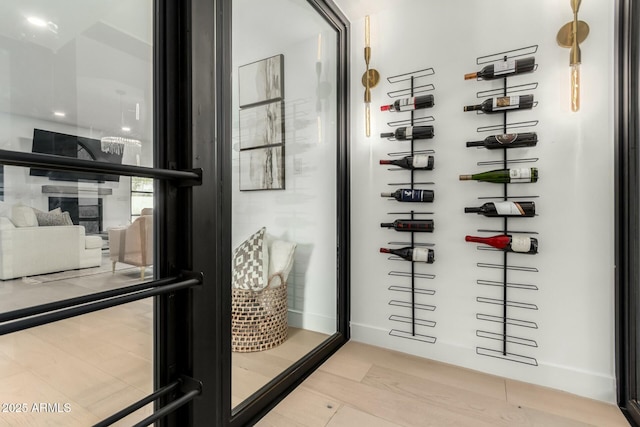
(133, 244)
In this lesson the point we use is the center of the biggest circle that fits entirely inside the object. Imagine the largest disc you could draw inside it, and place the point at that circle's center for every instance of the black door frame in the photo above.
(206, 315)
(627, 207)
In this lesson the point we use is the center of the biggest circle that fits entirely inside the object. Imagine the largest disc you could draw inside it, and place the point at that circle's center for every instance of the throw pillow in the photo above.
(57, 210)
(251, 262)
(280, 261)
(23, 216)
(47, 219)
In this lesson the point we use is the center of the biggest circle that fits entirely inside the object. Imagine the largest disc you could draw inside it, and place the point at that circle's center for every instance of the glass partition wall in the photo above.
(286, 152)
(131, 166)
(76, 81)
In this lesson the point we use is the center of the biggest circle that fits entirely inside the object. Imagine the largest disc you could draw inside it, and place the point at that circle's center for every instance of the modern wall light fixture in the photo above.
(370, 78)
(570, 36)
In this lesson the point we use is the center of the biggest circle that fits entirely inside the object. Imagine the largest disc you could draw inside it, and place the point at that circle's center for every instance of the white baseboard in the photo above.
(587, 384)
(311, 321)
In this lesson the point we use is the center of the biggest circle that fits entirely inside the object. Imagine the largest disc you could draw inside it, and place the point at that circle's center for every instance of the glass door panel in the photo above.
(76, 80)
(284, 166)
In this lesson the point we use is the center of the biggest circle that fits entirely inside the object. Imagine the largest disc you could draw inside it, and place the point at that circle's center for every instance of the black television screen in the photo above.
(61, 144)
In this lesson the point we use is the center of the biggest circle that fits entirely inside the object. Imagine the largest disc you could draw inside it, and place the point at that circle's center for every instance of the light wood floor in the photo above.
(101, 362)
(363, 385)
(250, 371)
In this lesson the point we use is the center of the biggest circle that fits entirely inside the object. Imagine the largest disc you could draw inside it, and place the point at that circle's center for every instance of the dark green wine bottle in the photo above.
(412, 254)
(406, 133)
(503, 103)
(417, 161)
(502, 176)
(410, 225)
(503, 69)
(507, 140)
(503, 209)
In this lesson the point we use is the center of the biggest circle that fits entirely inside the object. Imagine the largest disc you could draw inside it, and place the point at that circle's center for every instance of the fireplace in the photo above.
(84, 211)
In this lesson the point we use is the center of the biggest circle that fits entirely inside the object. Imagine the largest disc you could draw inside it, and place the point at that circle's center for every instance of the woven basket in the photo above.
(258, 319)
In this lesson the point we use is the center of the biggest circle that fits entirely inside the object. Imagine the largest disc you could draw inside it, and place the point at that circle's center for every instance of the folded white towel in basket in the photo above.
(281, 254)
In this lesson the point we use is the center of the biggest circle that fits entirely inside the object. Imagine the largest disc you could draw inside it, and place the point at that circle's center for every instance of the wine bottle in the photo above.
(417, 161)
(507, 140)
(408, 104)
(503, 69)
(409, 195)
(410, 132)
(501, 176)
(526, 209)
(502, 103)
(508, 243)
(410, 225)
(412, 254)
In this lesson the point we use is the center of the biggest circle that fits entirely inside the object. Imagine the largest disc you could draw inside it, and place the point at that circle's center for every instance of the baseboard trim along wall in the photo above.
(311, 321)
(587, 384)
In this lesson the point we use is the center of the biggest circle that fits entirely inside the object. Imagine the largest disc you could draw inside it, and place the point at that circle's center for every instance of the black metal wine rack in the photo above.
(504, 319)
(414, 303)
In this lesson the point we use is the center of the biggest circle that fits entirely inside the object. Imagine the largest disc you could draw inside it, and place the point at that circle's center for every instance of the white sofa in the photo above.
(32, 250)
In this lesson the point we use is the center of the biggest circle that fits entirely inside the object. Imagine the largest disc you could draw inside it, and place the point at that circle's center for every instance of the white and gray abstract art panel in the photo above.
(261, 81)
(262, 168)
(261, 125)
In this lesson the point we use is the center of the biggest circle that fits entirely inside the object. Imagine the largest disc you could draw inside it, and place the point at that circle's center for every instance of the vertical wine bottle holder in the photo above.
(510, 345)
(409, 294)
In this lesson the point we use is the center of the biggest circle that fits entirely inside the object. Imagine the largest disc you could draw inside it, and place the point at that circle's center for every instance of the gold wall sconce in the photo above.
(570, 36)
(370, 78)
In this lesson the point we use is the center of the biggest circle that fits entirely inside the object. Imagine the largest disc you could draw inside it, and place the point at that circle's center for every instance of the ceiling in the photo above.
(260, 28)
(90, 59)
(357, 9)
(93, 59)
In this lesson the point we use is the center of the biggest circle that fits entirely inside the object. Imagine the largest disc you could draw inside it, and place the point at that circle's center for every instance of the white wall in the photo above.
(575, 300)
(305, 211)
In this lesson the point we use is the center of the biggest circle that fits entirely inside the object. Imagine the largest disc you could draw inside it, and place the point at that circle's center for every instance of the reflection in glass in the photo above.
(76, 81)
(284, 229)
(86, 368)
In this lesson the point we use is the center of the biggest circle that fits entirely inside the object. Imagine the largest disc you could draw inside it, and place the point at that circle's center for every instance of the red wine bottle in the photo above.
(410, 132)
(502, 209)
(508, 243)
(410, 225)
(503, 69)
(507, 140)
(495, 105)
(417, 161)
(412, 254)
(408, 104)
(409, 195)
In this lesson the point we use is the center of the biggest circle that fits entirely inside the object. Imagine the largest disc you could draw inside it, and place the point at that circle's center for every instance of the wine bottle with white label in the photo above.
(503, 69)
(503, 103)
(417, 161)
(508, 243)
(410, 132)
(504, 209)
(412, 254)
(507, 140)
(409, 195)
(410, 225)
(408, 104)
(502, 176)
